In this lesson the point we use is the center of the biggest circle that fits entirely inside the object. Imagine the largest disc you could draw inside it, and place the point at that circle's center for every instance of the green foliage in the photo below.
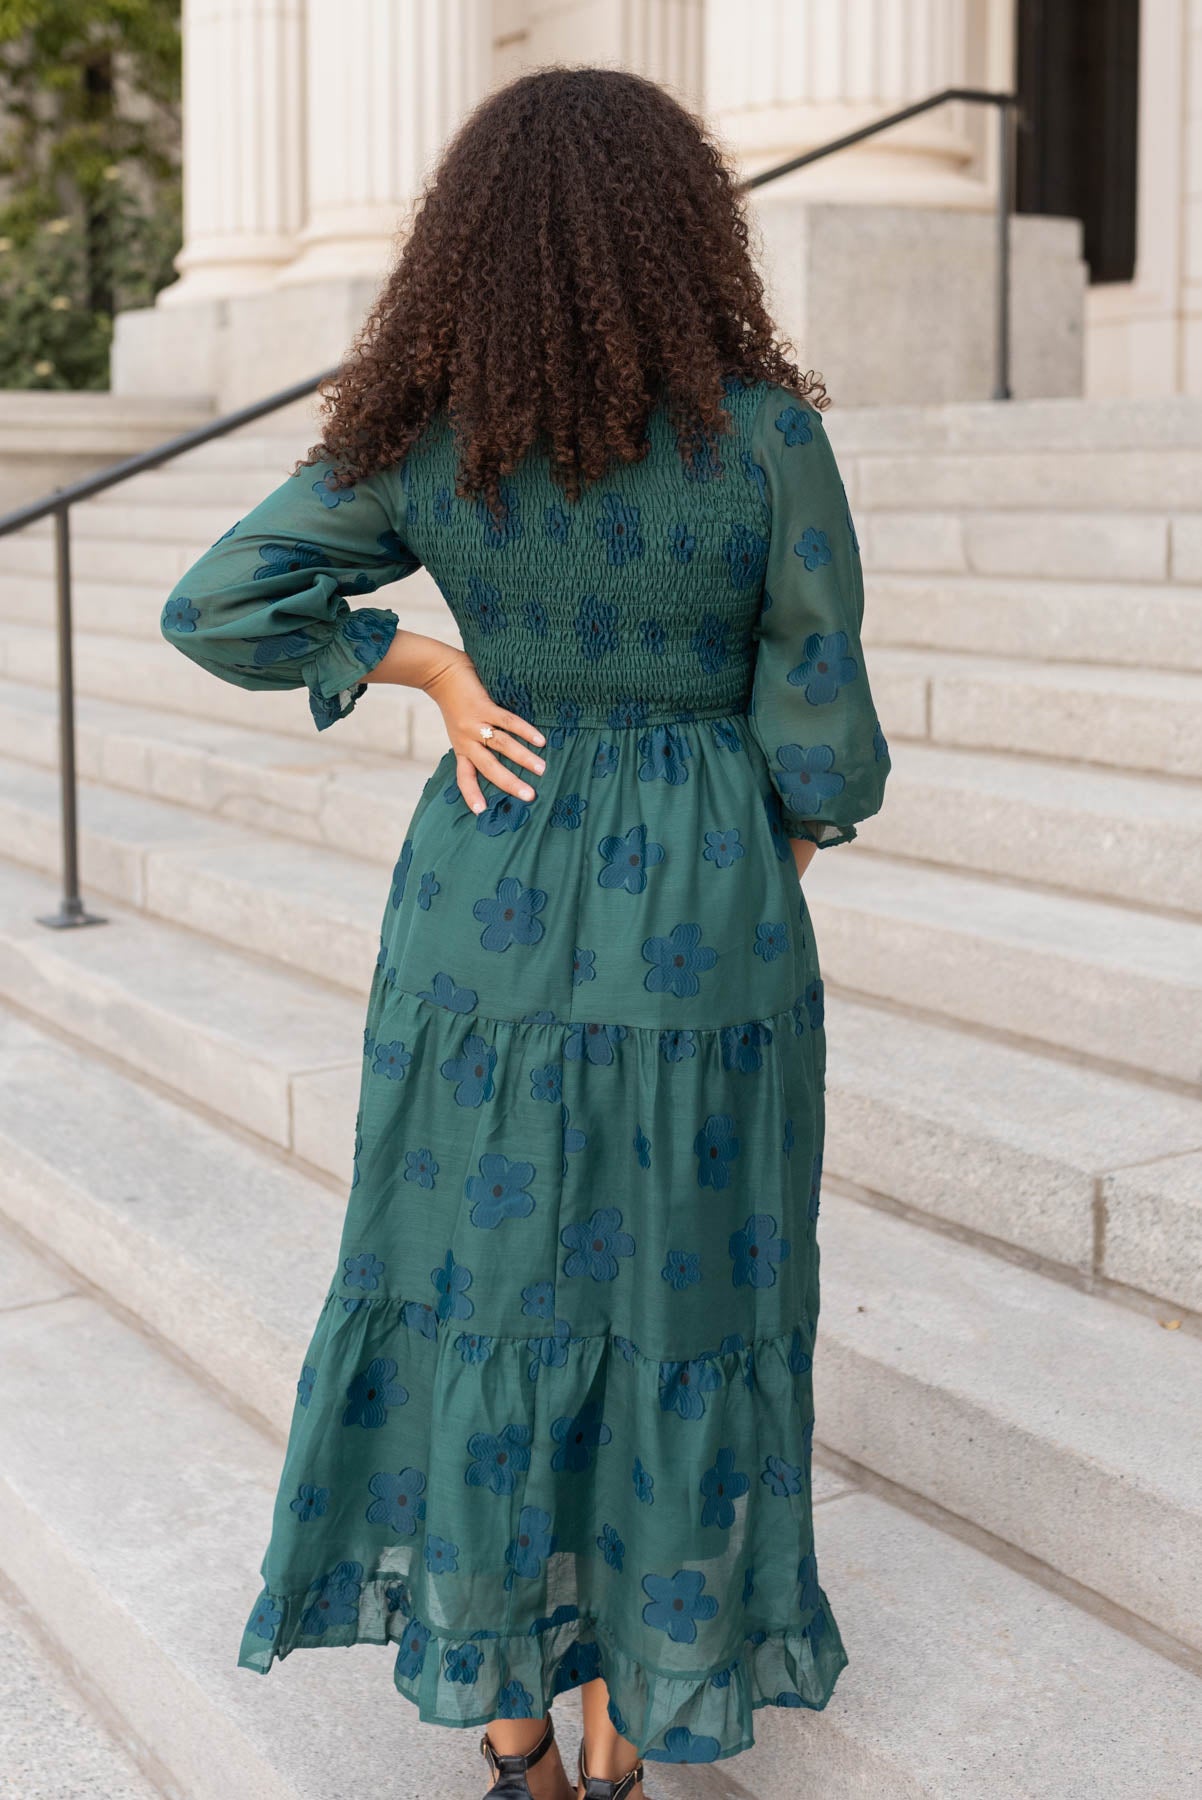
(89, 179)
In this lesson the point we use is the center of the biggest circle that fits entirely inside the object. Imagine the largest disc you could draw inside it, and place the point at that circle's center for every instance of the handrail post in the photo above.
(71, 910)
(1002, 389)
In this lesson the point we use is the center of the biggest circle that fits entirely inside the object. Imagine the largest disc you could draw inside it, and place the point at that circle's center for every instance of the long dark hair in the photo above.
(578, 256)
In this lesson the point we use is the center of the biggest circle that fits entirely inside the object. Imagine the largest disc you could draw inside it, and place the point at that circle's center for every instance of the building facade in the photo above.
(309, 129)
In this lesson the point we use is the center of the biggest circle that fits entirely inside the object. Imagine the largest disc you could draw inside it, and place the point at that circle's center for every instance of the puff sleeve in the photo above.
(267, 605)
(811, 708)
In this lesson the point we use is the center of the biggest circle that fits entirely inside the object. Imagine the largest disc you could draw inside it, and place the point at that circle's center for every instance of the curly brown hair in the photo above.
(578, 256)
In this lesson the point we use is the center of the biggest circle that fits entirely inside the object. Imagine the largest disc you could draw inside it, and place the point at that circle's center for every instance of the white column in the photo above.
(785, 75)
(663, 39)
(243, 145)
(387, 82)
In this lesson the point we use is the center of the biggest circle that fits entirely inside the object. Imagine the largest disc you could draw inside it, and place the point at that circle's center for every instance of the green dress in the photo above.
(555, 1417)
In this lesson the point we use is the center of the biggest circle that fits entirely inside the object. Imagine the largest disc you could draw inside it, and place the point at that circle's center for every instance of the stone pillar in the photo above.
(663, 39)
(386, 85)
(788, 74)
(244, 134)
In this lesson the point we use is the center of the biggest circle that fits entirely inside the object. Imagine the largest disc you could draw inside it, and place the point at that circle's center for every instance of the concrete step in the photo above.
(300, 788)
(393, 721)
(1120, 426)
(1063, 545)
(1114, 480)
(1088, 1172)
(1038, 1679)
(1036, 621)
(1135, 838)
(51, 1745)
(991, 1389)
(236, 1036)
(1086, 976)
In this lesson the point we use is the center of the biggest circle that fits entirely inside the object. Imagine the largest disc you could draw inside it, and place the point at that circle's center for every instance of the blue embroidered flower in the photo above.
(484, 608)
(715, 1148)
(576, 1666)
(532, 1544)
(265, 1617)
(584, 966)
(442, 1557)
(472, 1071)
(547, 1083)
(684, 1385)
(701, 461)
(451, 1282)
(780, 1477)
(304, 1387)
(462, 1663)
(391, 1060)
(538, 1300)
(722, 1486)
(682, 1268)
(417, 1316)
(595, 1245)
(362, 1271)
(644, 1484)
(515, 1701)
(755, 1250)
(611, 1547)
(684, 1746)
(512, 692)
(498, 1460)
(825, 667)
(675, 1604)
(590, 1042)
(505, 812)
(814, 548)
(573, 1138)
(287, 559)
(664, 751)
(625, 1349)
(279, 649)
(567, 811)
(499, 1191)
(368, 635)
(421, 1167)
(311, 1502)
(815, 1004)
(723, 848)
(504, 527)
(772, 811)
(626, 713)
(578, 1436)
(596, 627)
(443, 505)
(618, 528)
(682, 542)
(605, 761)
(677, 1046)
(746, 555)
(807, 778)
(474, 1346)
(412, 1652)
(568, 725)
(815, 1186)
(400, 873)
(642, 1147)
(771, 940)
(800, 1361)
(709, 643)
(512, 917)
(549, 1352)
(557, 523)
(398, 1500)
(655, 638)
(741, 1046)
(371, 1393)
(179, 614)
(676, 961)
(627, 858)
(795, 424)
(534, 617)
(335, 1599)
(724, 734)
(755, 476)
(880, 748)
(445, 991)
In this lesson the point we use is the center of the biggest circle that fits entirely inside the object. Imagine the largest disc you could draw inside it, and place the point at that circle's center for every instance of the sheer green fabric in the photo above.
(555, 1417)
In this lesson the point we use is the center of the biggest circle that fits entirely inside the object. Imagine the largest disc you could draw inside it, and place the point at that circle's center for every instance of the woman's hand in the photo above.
(466, 704)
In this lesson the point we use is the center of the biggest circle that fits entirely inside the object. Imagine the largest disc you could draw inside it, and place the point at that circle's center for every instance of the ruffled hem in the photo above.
(467, 1681)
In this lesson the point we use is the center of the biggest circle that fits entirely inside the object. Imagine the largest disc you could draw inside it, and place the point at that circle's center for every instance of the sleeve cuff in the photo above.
(822, 832)
(334, 677)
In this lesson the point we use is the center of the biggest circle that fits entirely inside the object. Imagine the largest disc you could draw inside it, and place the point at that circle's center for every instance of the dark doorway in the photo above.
(1078, 81)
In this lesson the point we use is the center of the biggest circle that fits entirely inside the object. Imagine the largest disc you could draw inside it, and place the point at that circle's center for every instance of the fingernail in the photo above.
(539, 738)
(477, 806)
(527, 793)
(539, 764)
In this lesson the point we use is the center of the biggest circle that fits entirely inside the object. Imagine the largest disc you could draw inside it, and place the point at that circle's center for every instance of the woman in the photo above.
(553, 1428)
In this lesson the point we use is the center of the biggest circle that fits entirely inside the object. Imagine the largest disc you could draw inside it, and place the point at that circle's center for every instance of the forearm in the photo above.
(804, 851)
(413, 660)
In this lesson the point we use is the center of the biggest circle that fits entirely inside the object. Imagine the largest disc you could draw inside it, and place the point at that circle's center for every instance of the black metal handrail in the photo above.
(72, 911)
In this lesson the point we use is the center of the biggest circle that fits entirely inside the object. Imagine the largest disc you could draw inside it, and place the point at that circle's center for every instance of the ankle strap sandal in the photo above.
(596, 1789)
(509, 1772)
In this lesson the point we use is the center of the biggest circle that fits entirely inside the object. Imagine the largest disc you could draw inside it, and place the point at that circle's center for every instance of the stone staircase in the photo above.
(1009, 1489)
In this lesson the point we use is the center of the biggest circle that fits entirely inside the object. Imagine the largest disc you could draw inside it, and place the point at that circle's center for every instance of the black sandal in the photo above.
(509, 1772)
(596, 1789)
